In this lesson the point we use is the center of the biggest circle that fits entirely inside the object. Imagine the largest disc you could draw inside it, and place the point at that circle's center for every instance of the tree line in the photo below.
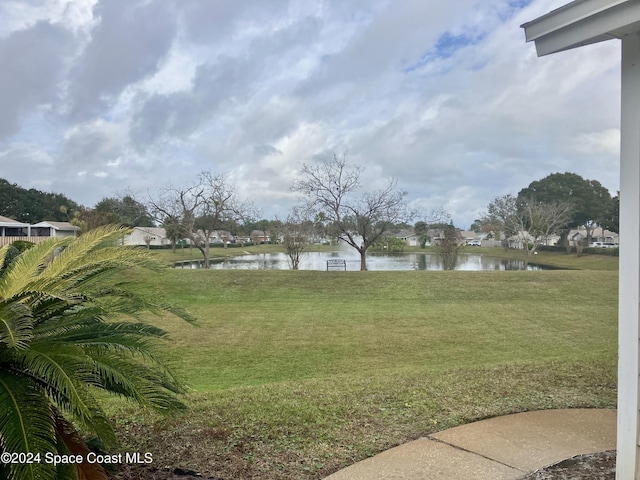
(553, 205)
(334, 205)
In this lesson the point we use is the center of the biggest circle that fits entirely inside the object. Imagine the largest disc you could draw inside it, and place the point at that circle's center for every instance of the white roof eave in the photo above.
(583, 22)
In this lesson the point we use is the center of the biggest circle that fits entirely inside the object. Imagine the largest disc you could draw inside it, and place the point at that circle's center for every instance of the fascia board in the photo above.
(582, 23)
(565, 16)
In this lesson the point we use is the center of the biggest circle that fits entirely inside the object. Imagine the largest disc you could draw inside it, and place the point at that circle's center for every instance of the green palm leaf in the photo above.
(16, 325)
(26, 425)
(62, 340)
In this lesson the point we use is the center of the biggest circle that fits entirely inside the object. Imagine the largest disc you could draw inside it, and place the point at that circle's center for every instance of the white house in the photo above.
(147, 236)
(409, 237)
(54, 229)
(598, 235)
(12, 228)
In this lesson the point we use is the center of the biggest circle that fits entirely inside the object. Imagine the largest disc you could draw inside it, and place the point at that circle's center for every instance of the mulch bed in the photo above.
(144, 472)
(595, 466)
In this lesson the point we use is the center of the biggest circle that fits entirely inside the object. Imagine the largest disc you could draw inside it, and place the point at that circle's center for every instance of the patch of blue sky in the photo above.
(519, 3)
(445, 47)
(512, 7)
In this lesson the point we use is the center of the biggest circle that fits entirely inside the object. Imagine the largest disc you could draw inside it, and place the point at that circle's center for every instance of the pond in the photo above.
(379, 262)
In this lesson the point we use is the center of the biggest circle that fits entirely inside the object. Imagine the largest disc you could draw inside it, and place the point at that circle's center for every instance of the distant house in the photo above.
(147, 236)
(12, 228)
(523, 238)
(598, 235)
(54, 229)
(470, 237)
(215, 237)
(221, 236)
(438, 235)
(409, 237)
(260, 236)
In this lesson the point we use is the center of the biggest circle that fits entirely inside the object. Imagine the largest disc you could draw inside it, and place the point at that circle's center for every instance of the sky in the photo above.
(103, 97)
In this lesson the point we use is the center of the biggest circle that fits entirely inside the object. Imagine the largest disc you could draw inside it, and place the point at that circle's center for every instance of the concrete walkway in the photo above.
(501, 448)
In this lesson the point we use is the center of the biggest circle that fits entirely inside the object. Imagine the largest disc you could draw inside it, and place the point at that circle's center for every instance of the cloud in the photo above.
(128, 43)
(105, 95)
(33, 65)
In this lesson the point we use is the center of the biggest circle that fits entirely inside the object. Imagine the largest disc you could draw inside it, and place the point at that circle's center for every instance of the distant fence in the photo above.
(8, 240)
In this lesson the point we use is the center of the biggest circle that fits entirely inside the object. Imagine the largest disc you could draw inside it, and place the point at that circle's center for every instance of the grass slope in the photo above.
(296, 374)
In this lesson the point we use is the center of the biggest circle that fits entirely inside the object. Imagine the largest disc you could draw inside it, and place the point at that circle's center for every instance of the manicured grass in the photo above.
(296, 374)
(559, 259)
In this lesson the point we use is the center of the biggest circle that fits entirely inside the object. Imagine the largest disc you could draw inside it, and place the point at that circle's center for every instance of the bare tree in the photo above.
(331, 188)
(296, 232)
(530, 221)
(201, 209)
(541, 220)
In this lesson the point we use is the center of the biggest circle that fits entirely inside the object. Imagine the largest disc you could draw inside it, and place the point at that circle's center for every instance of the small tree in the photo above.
(358, 219)
(173, 230)
(537, 221)
(296, 231)
(422, 231)
(148, 239)
(436, 216)
(449, 247)
(528, 220)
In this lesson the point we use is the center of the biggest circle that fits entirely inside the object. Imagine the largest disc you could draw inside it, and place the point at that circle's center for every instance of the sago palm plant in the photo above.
(63, 338)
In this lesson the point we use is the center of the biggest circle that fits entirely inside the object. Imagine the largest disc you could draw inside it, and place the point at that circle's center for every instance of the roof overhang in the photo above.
(13, 224)
(64, 226)
(583, 22)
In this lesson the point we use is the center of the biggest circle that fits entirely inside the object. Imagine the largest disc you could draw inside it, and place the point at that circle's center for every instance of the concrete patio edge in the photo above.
(499, 448)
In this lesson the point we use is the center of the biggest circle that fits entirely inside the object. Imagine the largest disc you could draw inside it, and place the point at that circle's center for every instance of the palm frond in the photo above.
(16, 325)
(26, 425)
(147, 384)
(3, 254)
(65, 374)
(28, 265)
(62, 340)
(94, 332)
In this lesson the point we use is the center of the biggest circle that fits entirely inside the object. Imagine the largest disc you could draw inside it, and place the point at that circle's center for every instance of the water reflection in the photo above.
(407, 261)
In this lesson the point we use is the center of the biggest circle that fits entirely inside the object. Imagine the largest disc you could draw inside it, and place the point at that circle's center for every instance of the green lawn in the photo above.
(296, 374)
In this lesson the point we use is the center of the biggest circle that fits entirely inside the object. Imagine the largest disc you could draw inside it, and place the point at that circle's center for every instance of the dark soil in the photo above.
(595, 466)
(143, 472)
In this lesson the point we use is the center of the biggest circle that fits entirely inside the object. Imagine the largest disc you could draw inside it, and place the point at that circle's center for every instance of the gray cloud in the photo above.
(32, 67)
(128, 44)
(232, 84)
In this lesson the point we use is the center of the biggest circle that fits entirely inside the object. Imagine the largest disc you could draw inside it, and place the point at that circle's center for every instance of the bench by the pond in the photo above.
(337, 263)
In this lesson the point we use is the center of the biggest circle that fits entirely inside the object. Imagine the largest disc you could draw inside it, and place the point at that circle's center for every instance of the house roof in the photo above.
(64, 226)
(405, 233)
(597, 232)
(582, 22)
(468, 234)
(10, 222)
(155, 231)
